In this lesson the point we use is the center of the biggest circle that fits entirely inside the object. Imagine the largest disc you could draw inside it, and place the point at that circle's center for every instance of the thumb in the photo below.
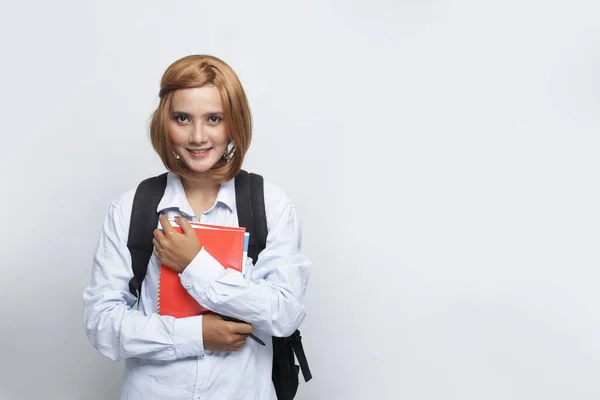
(186, 227)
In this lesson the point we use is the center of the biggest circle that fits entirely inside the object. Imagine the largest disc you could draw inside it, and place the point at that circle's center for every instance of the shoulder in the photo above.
(125, 200)
(149, 185)
(119, 211)
(118, 216)
(121, 207)
(278, 204)
(275, 195)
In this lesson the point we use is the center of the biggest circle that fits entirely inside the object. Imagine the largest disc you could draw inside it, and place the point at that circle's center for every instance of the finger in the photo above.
(237, 339)
(166, 225)
(238, 344)
(159, 240)
(157, 254)
(159, 234)
(242, 328)
(185, 226)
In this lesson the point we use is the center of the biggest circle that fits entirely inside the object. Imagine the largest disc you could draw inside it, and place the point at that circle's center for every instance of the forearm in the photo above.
(119, 332)
(272, 302)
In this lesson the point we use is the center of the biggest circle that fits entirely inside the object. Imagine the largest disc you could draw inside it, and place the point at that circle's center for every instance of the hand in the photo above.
(174, 249)
(221, 335)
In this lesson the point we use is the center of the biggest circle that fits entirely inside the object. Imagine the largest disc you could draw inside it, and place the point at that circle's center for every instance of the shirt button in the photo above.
(188, 285)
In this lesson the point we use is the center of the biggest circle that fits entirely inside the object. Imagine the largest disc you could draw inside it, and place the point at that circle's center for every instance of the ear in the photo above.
(228, 151)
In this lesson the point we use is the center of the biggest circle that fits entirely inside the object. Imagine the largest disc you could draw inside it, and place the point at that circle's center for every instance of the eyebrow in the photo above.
(206, 114)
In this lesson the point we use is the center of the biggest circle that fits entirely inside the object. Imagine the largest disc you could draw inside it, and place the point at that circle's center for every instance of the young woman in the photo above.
(201, 130)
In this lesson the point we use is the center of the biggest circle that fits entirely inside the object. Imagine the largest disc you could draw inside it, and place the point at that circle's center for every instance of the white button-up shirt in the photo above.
(164, 356)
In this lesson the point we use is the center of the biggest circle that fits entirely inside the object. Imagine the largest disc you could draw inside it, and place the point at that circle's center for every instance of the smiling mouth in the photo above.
(199, 151)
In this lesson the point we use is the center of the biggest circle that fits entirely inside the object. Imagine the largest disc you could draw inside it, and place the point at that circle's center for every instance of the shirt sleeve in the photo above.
(270, 297)
(112, 325)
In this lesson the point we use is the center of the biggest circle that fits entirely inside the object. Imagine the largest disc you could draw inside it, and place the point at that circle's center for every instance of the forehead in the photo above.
(197, 100)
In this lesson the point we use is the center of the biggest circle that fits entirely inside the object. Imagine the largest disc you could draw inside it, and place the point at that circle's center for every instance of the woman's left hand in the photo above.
(174, 249)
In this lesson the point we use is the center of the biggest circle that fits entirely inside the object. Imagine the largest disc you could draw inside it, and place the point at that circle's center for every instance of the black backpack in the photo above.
(250, 206)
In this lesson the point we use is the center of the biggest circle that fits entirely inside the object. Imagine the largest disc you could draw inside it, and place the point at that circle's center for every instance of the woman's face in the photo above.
(197, 128)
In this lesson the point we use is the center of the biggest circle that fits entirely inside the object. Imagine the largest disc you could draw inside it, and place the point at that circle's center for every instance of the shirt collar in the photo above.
(174, 196)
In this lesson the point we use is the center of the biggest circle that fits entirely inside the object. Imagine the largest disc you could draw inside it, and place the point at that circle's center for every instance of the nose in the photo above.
(197, 134)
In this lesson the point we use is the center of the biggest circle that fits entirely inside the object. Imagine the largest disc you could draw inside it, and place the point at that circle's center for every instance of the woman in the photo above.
(201, 130)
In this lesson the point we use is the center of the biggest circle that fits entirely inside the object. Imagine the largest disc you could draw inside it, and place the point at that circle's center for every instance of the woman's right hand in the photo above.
(221, 335)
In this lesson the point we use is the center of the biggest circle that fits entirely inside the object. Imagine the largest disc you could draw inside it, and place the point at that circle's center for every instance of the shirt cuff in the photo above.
(202, 271)
(188, 337)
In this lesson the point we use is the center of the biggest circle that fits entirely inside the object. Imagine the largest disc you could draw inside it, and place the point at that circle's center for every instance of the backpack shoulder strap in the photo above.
(257, 194)
(250, 204)
(144, 220)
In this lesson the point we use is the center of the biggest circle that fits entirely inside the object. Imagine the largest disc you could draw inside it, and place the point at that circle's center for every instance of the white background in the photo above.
(443, 156)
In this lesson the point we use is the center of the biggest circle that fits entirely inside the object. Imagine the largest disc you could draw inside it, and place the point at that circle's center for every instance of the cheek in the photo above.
(178, 134)
(219, 137)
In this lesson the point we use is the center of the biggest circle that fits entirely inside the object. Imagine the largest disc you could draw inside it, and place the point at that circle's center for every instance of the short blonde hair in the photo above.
(198, 71)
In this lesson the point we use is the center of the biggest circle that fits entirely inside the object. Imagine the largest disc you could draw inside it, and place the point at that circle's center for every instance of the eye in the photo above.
(214, 119)
(181, 118)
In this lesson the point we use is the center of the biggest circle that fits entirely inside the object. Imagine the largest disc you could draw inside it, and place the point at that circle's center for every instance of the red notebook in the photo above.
(224, 243)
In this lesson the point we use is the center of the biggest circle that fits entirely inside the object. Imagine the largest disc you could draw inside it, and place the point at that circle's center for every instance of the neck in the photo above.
(200, 187)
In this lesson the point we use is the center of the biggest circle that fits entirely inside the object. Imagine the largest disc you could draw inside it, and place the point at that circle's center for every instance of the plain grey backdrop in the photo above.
(443, 156)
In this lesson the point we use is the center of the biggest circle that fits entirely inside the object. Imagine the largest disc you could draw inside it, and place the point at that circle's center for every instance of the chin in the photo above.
(202, 167)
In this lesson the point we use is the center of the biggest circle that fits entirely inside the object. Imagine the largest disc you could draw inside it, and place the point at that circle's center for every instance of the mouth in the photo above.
(197, 153)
